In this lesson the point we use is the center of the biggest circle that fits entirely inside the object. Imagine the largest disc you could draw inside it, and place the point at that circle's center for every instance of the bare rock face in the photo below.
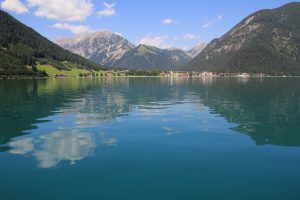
(102, 47)
(196, 50)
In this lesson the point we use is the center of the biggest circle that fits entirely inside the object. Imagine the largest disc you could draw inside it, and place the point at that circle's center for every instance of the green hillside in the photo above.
(267, 41)
(151, 58)
(21, 48)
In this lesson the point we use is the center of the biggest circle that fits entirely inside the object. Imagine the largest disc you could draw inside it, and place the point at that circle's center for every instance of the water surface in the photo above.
(150, 138)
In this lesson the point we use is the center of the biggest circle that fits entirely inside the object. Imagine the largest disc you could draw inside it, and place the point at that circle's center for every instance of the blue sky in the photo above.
(162, 23)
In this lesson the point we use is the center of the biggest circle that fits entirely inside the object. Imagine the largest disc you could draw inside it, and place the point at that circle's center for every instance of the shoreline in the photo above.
(142, 73)
(101, 77)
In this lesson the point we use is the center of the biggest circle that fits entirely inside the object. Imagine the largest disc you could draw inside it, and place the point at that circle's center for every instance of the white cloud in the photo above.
(157, 41)
(63, 10)
(188, 36)
(118, 33)
(74, 29)
(167, 21)
(170, 21)
(166, 46)
(109, 10)
(14, 6)
(164, 41)
(206, 25)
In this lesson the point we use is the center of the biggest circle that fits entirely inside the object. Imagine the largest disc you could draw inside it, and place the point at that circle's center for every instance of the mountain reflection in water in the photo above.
(66, 120)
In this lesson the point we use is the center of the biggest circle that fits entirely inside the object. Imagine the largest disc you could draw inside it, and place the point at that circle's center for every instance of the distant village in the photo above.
(209, 74)
(143, 73)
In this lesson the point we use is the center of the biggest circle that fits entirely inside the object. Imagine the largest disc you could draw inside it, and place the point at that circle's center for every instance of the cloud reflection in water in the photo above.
(69, 145)
(50, 149)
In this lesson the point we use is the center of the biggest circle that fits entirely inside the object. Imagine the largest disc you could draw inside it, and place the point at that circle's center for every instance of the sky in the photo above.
(162, 23)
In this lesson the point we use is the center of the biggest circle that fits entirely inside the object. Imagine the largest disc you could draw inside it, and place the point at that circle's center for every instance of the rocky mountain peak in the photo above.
(103, 47)
(196, 50)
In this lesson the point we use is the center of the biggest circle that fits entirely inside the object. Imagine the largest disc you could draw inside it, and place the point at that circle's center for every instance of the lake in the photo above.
(150, 138)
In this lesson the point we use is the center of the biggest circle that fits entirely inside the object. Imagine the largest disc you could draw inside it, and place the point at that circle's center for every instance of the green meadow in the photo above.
(72, 72)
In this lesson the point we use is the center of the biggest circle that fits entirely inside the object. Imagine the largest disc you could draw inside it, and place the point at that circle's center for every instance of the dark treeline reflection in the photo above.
(24, 102)
(268, 109)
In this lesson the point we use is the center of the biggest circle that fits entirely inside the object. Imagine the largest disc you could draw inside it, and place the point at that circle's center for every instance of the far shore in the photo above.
(162, 75)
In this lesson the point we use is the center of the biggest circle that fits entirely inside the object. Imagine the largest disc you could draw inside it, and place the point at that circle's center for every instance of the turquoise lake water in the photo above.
(150, 138)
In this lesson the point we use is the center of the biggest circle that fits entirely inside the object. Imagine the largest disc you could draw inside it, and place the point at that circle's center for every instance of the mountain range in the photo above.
(267, 41)
(21, 48)
(150, 57)
(110, 49)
